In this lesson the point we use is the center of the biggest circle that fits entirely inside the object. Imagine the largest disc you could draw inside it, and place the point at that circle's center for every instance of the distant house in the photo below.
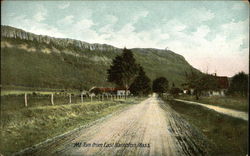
(109, 91)
(223, 85)
(122, 92)
(188, 91)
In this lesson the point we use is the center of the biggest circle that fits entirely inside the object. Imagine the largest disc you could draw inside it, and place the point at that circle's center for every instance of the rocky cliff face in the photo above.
(10, 32)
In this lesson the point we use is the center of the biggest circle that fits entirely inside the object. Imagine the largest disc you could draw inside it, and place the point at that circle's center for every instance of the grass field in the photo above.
(68, 66)
(24, 127)
(228, 135)
(16, 91)
(19, 92)
(236, 103)
(16, 102)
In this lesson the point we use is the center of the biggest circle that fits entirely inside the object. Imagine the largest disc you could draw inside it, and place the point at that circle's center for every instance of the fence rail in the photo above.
(33, 100)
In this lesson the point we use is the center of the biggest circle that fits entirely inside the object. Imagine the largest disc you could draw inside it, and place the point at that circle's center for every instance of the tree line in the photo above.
(125, 72)
(200, 82)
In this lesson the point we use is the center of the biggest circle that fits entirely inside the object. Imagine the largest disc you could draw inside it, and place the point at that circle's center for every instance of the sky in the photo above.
(213, 36)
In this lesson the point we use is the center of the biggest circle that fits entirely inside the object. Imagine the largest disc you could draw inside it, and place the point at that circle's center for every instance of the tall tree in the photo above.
(141, 84)
(123, 70)
(160, 85)
(239, 84)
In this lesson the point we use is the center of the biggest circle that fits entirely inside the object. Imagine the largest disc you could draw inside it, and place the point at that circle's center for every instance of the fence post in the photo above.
(81, 98)
(25, 100)
(102, 97)
(52, 99)
(70, 98)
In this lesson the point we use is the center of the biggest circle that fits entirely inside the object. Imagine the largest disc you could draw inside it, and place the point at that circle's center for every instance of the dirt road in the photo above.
(148, 128)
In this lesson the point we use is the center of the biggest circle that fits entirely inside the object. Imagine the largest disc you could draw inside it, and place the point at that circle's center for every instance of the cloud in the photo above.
(201, 32)
(84, 24)
(41, 14)
(83, 30)
(64, 5)
(139, 15)
(34, 26)
(111, 19)
(67, 20)
(234, 29)
(174, 25)
(222, 54)
(202, 14)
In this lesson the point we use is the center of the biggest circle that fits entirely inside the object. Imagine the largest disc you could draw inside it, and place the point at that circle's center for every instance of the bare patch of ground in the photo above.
(5, 44)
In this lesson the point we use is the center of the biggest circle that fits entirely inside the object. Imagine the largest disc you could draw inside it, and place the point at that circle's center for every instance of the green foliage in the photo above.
(228, 135)
(25, 127)
(158, 63)
(141, 85)
(37, 69)
(232, 102)
(175, 91)
(239, 84)
(201, 82)
(160, 85)
(123, 69)
(78, 68)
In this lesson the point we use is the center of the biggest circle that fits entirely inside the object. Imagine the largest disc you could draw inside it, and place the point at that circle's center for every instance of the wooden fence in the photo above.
(31, 100)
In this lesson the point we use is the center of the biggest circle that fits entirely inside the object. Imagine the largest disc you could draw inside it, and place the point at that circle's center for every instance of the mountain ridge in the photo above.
(11, 32)
(58, 62)
(22, 34)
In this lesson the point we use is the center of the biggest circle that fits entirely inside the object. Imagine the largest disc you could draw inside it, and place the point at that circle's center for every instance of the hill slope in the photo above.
(34, 60)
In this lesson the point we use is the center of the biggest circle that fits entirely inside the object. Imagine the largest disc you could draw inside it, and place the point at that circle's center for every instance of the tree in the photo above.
(201, 82)
(123, 70)
(160, 85)
(141, 84)
(239, 84)
(174, 90)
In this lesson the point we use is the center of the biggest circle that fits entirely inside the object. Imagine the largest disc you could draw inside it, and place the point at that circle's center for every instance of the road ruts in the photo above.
(152, 122)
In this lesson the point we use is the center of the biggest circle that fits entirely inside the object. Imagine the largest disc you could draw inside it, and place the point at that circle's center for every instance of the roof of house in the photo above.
(103, 89)
(106, 89)
(223, 82)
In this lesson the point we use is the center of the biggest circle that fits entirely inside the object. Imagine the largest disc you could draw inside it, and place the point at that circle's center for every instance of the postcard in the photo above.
(124, 78)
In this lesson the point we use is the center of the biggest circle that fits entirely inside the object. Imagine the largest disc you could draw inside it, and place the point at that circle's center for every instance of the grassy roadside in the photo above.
(42, 92)
(228, 134)
(28, 126)
(236, 103)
